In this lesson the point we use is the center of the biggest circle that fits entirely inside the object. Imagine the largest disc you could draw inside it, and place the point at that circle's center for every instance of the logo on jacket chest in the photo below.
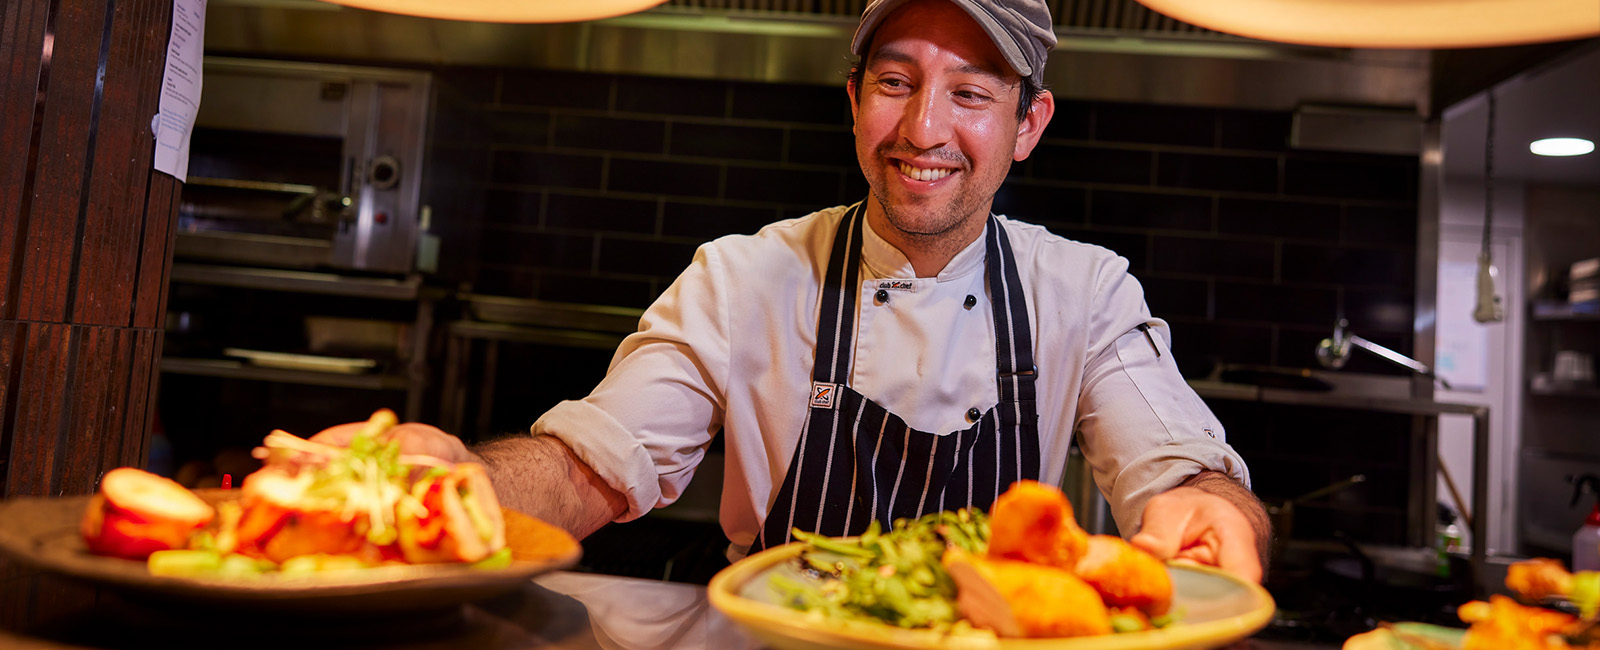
(909, 286)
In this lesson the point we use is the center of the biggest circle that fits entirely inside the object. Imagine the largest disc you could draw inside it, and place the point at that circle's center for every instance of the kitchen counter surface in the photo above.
(562, 610)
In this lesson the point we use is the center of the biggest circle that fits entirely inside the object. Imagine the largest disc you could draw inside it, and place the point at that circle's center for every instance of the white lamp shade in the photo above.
(1408, 24)
(506, 11)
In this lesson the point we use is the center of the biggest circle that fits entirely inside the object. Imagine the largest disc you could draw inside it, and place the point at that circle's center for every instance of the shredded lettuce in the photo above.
(368, 479)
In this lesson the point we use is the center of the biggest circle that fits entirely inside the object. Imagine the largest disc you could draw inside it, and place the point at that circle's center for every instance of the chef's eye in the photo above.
(893, 84)
(972, 97)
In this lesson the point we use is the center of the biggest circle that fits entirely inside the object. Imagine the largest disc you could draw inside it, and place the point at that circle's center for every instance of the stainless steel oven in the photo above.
(311, 166)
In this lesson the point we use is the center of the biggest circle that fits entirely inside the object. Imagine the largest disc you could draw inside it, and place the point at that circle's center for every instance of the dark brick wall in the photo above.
(599, 187)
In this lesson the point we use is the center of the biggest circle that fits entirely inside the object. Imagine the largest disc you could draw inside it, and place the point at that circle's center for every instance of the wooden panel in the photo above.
(10, 347)
(133, 449)
(21, 42)
(58, 179)
(36, 419)
(155, 261)
(86, 232)
(123, 150)
(138, 410)
(91, 418)
(85, 241)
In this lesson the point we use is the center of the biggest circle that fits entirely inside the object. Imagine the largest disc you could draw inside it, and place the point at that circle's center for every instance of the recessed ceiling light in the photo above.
(506, 11)
(1408, 24)
(1561, 146)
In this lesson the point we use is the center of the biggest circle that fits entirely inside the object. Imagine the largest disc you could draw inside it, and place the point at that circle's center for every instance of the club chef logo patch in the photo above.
(822, 394)
(898, 285)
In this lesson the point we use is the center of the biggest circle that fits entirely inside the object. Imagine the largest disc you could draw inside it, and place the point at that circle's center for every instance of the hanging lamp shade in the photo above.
(1408, 24)
(506, 11)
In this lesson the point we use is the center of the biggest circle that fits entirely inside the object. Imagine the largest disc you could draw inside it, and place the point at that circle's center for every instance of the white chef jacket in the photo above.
(729, 347)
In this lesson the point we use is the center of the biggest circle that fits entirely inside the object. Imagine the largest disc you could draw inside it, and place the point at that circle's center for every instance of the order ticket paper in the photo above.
(180, 88)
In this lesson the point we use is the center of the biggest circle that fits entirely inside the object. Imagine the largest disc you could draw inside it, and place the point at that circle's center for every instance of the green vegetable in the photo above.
(1585, 593)
(184, 562)
(480, 520)
(497, 560)
(1169, 618)
(1122, 623)
(895, 577)
(239, 566)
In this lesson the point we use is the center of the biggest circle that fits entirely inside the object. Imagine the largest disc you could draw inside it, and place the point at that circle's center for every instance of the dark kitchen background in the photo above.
(599, 187)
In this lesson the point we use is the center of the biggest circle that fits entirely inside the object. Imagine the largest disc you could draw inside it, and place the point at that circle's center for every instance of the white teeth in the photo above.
(923, 174)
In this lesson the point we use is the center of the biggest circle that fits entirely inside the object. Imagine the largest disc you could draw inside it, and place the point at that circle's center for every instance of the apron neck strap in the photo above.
(1013, 337)
(836, 320)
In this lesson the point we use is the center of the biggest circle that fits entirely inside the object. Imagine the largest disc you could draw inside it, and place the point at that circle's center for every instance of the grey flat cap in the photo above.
(1021, 29)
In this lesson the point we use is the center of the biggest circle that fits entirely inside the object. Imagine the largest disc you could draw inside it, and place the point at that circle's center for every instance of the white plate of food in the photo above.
(775, 595)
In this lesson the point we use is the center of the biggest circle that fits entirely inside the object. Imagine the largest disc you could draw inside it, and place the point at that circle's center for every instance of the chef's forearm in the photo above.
(539, 475)
(1242, 498)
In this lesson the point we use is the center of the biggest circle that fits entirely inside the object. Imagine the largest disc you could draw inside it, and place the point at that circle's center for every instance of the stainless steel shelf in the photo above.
(1581, 392)
(228, 369)
(331, 284)
(1561, 311)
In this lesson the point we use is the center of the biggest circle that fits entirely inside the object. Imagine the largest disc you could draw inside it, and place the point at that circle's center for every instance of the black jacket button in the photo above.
(973, 414)
(882, 295)
(971, 301)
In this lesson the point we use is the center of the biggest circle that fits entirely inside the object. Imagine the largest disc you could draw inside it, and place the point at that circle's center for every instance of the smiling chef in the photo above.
(908, 353)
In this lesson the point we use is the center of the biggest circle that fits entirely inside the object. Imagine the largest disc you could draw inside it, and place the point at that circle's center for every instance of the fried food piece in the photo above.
(277, 524)
(137, 513)
(1502, 624)
(1535, 579)
(459, 521)
(1020, 599)
(1125, 576)
(1032, 522)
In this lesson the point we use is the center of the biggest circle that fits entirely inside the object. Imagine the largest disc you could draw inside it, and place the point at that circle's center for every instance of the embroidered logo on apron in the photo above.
(822, 394)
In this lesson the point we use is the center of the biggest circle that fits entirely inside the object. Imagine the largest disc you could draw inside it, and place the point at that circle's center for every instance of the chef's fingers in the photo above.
(1236, 546)
(414, 438)
(339, 434)
(1204, 551)
(1163, 530)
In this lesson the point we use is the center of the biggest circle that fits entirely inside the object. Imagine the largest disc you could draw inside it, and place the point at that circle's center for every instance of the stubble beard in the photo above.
(922, 223)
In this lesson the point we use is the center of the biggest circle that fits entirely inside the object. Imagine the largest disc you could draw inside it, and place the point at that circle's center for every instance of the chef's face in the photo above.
(936, 119)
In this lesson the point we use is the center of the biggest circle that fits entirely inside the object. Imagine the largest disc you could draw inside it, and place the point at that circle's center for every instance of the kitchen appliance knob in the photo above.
(385, 172)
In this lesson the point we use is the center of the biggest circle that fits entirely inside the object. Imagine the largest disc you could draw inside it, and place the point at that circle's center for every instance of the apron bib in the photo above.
(857, 463)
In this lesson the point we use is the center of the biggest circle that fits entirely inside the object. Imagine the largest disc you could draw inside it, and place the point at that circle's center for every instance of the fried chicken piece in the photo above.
(1535, 579)
(1020, 599)
(1125, 576)
(1032, 522)
(1502, 624)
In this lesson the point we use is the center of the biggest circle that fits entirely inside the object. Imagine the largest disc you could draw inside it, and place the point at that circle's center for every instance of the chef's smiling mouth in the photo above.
(920, 173)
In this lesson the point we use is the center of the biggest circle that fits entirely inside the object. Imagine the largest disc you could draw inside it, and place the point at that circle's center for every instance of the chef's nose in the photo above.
(928, 121)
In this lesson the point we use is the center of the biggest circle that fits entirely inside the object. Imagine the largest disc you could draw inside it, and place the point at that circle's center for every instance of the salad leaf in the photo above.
(895, 577)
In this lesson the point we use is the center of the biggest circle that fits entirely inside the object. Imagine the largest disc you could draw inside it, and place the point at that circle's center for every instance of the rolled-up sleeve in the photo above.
(1141, 427)
(646, 426)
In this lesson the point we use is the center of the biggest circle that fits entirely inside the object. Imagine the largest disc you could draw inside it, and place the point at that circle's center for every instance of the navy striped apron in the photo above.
(857, 462)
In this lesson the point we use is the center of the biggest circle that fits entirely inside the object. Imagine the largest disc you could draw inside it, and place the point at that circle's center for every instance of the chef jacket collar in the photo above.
(885, 261)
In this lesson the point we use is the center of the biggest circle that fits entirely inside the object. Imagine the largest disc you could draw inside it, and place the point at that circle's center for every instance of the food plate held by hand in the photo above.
(320, 530)
(1022, 577)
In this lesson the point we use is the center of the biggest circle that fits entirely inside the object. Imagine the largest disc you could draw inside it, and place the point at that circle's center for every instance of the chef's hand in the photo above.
(1210, 520)
(414, 438)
